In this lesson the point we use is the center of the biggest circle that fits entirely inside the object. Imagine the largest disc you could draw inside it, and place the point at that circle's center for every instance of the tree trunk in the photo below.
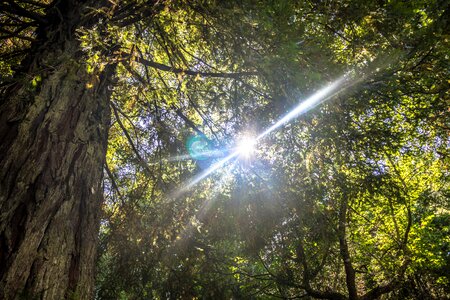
(53, 128)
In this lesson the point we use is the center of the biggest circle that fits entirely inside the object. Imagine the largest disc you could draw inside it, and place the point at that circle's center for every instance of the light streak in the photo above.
(210, 170)
(317, 98)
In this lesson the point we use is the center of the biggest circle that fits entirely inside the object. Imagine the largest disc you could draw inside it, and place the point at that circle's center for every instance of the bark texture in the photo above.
(53, 128)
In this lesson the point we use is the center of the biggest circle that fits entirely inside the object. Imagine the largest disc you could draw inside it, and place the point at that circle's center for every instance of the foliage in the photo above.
(374, 157)
(349, 199)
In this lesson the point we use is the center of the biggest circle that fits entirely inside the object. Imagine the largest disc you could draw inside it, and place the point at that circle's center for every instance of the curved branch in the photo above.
(376, 292)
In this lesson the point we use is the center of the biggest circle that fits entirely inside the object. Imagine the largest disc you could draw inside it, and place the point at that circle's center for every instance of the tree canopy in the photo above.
(348, 199)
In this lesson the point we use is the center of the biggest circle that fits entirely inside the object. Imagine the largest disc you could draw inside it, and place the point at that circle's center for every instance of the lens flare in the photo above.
(198, 147)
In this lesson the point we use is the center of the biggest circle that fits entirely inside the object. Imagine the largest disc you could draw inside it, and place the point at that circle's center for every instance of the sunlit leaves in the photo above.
(374, 153)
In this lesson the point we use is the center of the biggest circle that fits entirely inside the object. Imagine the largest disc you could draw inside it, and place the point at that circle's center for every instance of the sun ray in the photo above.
(317, 98)
(244, 149)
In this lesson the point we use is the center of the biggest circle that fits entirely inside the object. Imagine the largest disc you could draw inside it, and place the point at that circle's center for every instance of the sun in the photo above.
(246, 146)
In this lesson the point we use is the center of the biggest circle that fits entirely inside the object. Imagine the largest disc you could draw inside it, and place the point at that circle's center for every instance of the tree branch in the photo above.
(35, 3)
(15, 34)
(141, 160)
(350, 276)
(113, 182)
(16, 9)
(376, 292)
(166, 68)
(188, 122)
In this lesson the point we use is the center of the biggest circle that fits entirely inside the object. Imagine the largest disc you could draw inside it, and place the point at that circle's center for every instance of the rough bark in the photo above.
(54, 137)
